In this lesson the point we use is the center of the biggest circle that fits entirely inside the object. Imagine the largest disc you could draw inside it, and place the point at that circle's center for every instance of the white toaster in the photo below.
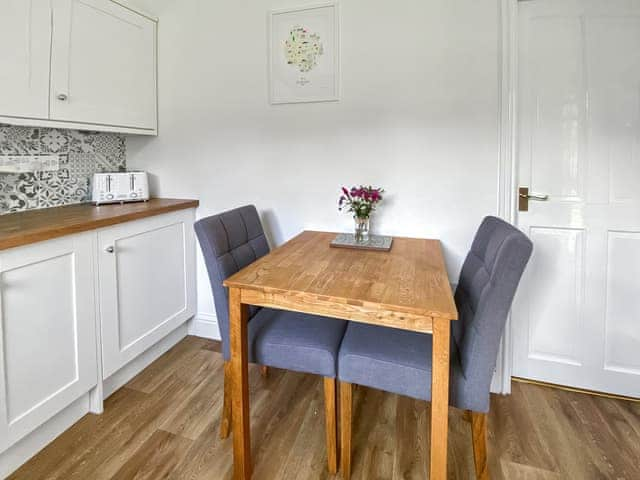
(120, 187)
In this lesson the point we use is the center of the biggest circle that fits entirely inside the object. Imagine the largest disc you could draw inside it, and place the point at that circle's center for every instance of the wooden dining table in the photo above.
(406, 287)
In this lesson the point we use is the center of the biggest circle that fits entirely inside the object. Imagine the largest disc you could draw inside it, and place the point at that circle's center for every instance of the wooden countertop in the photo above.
(31, 226)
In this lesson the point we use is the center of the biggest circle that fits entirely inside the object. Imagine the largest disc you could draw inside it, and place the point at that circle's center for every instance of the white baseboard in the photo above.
(142, 361)
(204, 325)
(18, 454)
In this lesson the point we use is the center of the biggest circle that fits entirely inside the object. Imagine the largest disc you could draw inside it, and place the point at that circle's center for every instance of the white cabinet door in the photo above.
(25, 39)
(147, 284)
(48, 354)
(103, 65)
(576, 318)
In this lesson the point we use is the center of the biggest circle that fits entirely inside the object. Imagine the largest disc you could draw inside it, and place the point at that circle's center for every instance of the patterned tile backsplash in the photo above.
(81, 154)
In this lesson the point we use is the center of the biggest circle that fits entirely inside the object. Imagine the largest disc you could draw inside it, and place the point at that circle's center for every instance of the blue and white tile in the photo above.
(62, 189)
(110, 152)
(81, 164)
(18, 192)
(81, 153)
(82, 141)
(19, 140)
(53, 140)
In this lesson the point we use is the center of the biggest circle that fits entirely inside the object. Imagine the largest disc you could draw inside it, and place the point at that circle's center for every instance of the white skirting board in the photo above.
(204, 325)
(18, 454)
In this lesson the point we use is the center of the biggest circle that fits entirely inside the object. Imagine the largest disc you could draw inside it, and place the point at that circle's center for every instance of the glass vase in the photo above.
(361, 229)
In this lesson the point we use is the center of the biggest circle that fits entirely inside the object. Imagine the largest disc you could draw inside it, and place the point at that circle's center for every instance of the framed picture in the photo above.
(303, 54)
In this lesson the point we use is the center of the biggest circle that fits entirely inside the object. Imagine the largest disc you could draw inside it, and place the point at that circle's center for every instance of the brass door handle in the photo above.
(535, 196)
(524, 196)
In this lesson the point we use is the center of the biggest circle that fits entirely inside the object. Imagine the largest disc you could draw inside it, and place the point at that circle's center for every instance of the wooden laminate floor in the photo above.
(164, 424)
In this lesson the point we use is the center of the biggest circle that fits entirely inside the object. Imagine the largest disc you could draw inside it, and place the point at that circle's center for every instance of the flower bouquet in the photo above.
(361, 202)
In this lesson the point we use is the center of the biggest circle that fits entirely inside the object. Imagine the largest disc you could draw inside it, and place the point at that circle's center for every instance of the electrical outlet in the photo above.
(29, 163)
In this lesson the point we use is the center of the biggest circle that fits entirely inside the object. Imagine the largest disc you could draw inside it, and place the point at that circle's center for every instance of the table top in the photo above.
(411, 278)
(31, 226)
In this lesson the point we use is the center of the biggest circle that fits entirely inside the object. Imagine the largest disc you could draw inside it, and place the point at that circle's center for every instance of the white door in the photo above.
(103, 65)
(48, 354)
(577, 316)
(25, 41)
(147, 284)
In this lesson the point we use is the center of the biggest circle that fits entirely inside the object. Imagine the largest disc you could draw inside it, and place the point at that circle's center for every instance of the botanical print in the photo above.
(303, 54)
(80, 154)
(303, 48)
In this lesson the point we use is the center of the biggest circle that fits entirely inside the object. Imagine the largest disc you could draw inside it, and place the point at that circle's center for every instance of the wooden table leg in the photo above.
(440, 399)
(238, 319)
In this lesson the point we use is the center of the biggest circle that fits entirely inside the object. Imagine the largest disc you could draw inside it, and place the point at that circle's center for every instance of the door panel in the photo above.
(622, 331)
(103, 58)
(555, 161)
(47, 333)
(613, 69)
(137, 261)
(557, 276)
(146, 284)
(54, 317)
(25, 40)
(575, 320)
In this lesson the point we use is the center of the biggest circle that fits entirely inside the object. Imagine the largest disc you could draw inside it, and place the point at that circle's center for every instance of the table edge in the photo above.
(371, 306)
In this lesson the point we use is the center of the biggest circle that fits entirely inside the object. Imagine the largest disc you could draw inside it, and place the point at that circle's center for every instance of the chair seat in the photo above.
(295, 341)
(398, 361)
(388, 359)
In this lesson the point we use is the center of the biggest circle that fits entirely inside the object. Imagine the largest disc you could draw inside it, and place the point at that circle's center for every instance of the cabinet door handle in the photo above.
(110, 249)
(62, 97)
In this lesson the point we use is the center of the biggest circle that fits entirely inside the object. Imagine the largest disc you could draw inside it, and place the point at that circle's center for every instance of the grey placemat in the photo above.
(375, 242)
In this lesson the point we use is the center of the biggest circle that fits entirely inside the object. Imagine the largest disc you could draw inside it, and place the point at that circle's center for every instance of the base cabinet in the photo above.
(81, 315)
(48, 355)
(146, 284)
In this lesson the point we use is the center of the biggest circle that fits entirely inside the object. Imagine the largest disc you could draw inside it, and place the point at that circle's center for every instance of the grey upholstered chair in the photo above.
(306, 343)
(399, 361)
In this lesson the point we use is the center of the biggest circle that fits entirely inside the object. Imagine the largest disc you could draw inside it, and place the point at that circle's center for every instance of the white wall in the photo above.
(418, 116)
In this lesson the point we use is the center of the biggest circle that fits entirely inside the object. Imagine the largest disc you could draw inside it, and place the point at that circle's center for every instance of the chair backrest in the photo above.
(230, 241)
(488, 282)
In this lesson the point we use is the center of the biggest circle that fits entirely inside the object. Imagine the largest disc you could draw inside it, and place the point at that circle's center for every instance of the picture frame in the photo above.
(304, 54)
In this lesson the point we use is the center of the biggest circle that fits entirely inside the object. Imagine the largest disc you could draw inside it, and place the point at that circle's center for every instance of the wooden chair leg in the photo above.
(225, 421)
(331, 424)
(264, 371)
(345, 429)
(479, 432)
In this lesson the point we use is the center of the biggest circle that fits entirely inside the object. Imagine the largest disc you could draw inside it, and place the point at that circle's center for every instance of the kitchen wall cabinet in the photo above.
(25, 37)
(87, 64)
(146, 286)
(48, 355)
(103, 65)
